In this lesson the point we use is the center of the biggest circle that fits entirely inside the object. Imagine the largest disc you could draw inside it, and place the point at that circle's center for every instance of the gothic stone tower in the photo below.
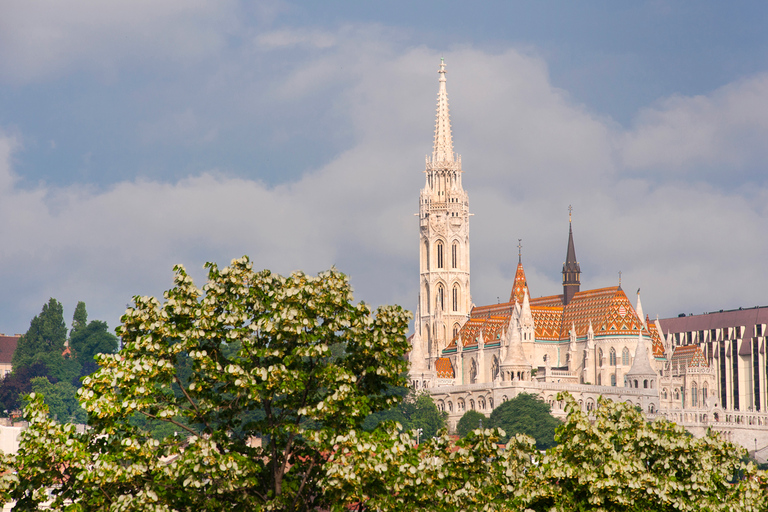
(444, 298)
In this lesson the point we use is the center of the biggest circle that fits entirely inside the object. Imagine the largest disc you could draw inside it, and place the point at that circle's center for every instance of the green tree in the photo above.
(469, 422)
(89, 340)
(284, 367)
(79, 319)
(47, 333)
(61, 399)
(526, 414)
(416, 411)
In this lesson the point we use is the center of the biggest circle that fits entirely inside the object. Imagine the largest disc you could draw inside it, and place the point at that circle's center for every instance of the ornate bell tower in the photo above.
(444, 297)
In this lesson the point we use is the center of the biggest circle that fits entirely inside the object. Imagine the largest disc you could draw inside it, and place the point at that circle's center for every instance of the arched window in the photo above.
(664, 394)
(625, 356)
(440, 304)
(455, 255)
(613, 379)
(600, 357)
(694, 395)
(645, 384)
(677, 394)
(473, 372)
(455, 330)
(455, 297)
(494, 368)
(426, 253)
(439, 254)
(612, 356)
(599, 379)
(704, 390)
(450, 406)
(471, 404)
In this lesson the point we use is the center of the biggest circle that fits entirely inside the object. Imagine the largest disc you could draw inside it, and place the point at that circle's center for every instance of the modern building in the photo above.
(589, 343)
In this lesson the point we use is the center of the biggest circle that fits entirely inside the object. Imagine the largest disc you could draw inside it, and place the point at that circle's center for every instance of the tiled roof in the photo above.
(444, 368)
(608, 309)
(7, 348)
(518, 289)
(657, 344)
(688, 356)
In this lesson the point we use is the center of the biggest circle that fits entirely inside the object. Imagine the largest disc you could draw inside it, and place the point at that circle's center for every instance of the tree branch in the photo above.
(169, 421)
(189, 399)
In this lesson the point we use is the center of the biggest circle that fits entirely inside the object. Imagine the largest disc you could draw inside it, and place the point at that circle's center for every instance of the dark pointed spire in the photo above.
(571, 270)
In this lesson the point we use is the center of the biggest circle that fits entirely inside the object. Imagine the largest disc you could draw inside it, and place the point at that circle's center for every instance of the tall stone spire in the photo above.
(443, 149)
(571, 270)
(444, 293)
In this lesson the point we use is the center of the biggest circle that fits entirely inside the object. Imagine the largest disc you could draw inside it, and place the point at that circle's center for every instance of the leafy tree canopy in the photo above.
(61, 399)
(89, 340)
(284, 328)
(416, 411)
(469, 422)
(47, 333)
(526, 414)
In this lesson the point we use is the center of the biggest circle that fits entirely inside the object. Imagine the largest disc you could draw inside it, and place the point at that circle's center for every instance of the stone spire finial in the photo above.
(443, 150)
(639, 309)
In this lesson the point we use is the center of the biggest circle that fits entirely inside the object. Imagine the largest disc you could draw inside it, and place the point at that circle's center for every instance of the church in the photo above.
(590, 343)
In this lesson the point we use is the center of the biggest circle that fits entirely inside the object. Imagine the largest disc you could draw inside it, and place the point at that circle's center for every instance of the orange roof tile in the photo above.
(444, 368)
(518, 289)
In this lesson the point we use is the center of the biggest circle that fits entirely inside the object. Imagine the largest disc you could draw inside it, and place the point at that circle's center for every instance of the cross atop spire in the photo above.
(443, 149)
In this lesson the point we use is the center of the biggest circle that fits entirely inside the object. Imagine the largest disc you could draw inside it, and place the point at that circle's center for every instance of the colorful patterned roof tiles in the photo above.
(444, 368)
(521, 284)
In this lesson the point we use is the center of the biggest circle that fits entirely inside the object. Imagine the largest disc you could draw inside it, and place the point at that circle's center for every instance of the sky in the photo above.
(135, 135)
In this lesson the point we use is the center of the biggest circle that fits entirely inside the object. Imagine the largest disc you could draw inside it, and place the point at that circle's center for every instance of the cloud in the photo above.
(528, 152)
(702, 134)
(42, 39)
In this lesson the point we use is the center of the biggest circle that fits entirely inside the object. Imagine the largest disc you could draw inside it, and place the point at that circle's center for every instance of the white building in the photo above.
(589, 343)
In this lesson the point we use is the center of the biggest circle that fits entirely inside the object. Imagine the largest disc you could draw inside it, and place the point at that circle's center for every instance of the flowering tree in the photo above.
(617, 461)
(387, 471)
(290, 360)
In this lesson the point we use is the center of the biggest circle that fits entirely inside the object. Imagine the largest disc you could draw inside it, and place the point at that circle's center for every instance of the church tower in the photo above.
(444, 298)
(571, 270)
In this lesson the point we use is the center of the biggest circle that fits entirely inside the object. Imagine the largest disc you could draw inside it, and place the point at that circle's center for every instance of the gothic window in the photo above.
(426, 253)
(600, 357)
(664, 394)
(599, 379)
(677, 394)
(694, 395)
(450, 406)
(455, 255)
(494, 368)
(455, 297)
(625, 356)
(613, 379)
(704, 391)
(613, 357)
(473, 372)
(439, 254)
(471, 404)
(440, 304)
(455, 330)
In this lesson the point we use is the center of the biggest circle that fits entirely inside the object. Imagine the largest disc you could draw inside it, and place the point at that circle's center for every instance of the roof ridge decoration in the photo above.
(443, 147)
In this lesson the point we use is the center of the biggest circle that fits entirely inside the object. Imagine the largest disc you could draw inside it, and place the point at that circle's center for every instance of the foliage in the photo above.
(79, 318)
(47, 333)
(284, 328)
(89, 340)
(617, 461)
(61, 399)
(526, 414)
(385, 470)
(416, 411)
(469, 422)
(18, 384)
